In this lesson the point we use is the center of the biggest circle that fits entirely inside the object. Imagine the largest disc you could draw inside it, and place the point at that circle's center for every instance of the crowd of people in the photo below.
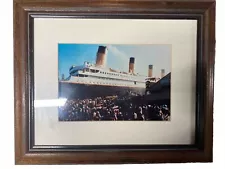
(112, 108)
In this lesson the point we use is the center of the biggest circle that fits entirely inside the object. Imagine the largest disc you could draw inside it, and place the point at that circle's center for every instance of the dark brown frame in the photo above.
(24, 13)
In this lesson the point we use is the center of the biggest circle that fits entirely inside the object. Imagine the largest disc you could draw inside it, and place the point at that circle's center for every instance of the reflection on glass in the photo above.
(50, 102)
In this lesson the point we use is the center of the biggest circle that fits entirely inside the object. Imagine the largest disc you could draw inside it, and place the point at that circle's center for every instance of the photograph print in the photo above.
(111, 82)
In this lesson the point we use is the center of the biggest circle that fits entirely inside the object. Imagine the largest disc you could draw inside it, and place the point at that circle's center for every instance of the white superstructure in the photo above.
(99, 74)
(91, 74)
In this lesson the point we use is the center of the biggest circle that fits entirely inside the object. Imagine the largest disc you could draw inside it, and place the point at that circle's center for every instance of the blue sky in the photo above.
(117, 57)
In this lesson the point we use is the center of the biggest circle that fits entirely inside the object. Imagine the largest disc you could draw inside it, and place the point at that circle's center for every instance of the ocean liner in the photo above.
(93, 80)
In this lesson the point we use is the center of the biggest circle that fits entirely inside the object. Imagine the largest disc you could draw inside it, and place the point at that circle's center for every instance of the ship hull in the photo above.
(86, 91)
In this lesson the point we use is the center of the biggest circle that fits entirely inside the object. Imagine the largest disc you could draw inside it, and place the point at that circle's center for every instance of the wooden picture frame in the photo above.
(26, 152)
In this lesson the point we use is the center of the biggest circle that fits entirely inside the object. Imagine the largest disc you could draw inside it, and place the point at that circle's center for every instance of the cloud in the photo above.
(118, 59)
(116, 52)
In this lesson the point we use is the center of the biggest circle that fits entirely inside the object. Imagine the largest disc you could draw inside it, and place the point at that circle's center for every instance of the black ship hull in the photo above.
(85, 91)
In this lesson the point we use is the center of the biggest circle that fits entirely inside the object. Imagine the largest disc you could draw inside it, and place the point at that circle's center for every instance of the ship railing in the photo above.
(106, 82)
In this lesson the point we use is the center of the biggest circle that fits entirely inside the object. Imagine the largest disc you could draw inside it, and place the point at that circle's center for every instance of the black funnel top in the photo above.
(132, 59)
(101, 49)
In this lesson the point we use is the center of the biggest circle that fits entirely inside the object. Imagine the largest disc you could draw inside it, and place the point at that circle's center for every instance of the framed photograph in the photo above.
(105, 83)
(113, 81)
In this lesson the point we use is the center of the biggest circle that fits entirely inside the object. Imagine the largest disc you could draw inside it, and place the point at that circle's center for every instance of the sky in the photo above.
(117, 57)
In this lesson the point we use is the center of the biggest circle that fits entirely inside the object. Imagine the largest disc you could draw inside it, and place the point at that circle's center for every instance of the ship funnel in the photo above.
(101, 56)
(150, 69)
(162, 73)
(131, 65)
